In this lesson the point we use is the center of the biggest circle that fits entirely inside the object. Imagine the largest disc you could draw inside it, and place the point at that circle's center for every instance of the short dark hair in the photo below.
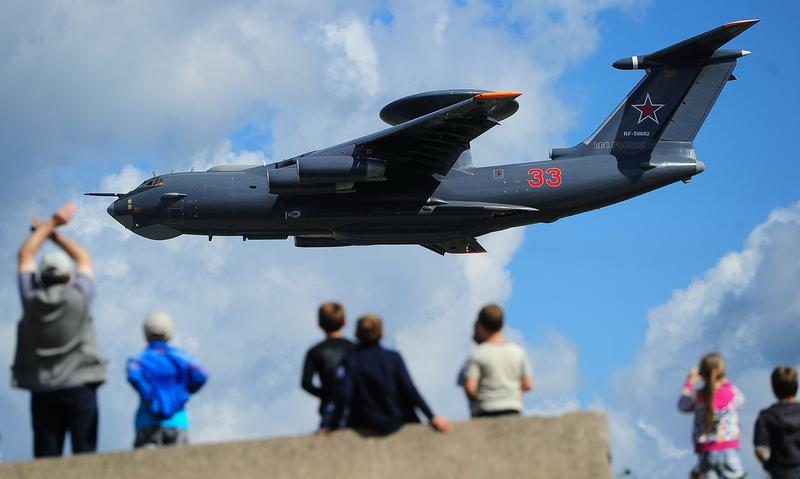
(784, 382)
(369, 329)
(491, 318)
(331, 316)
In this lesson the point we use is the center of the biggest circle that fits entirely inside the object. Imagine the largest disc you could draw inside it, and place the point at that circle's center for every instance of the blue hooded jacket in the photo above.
(165, 377)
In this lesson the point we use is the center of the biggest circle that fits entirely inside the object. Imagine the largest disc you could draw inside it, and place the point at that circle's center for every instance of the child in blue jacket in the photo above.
(165, 377)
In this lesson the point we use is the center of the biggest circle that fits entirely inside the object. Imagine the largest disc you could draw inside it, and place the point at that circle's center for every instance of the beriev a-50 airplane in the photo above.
(414, 183)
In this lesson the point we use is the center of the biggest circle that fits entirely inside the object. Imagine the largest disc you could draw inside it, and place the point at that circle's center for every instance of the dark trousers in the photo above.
(790, 473)
(54, 413)
(160, 437)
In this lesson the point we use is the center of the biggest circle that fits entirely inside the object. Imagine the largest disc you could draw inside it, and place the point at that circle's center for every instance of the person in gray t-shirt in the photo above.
(57, 358)
(498, 372)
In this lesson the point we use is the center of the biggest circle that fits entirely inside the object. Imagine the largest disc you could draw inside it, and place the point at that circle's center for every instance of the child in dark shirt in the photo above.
(324, 358)
(777, 430)
(375, 387)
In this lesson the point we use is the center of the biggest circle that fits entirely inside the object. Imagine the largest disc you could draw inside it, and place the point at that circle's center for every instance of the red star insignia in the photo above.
(648, 109)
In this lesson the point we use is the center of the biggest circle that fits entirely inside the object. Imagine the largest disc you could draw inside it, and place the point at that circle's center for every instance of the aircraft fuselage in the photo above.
(238, 203)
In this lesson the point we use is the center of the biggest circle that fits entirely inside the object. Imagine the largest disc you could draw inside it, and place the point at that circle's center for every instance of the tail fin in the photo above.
(673, 99)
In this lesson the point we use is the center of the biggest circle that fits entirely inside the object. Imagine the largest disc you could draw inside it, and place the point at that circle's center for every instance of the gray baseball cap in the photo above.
(55, 264)
(158, 327)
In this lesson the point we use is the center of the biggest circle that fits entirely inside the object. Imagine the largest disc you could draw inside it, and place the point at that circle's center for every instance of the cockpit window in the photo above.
(152, 182)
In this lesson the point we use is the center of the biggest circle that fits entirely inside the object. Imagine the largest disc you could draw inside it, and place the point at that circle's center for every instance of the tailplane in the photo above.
(673, 99)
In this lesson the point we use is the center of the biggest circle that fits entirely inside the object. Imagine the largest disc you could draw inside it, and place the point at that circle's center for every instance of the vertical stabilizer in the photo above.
(673, 99)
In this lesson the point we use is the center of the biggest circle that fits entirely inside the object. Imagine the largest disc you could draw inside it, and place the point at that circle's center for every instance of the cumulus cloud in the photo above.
(745, 307)
(224, 155)
(102, 92)
(440, 27)
(558, 377)
(352, 69)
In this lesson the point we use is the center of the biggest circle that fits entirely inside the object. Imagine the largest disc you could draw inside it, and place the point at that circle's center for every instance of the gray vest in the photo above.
(56, 344)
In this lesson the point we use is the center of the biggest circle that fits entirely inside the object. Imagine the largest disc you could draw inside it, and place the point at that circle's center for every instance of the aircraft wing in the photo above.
(429, 144)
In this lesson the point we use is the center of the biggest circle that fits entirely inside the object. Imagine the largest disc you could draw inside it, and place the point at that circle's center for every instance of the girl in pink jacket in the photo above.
(716, 419)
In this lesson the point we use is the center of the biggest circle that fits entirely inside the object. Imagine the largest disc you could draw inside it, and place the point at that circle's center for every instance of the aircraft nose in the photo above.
(121, 215)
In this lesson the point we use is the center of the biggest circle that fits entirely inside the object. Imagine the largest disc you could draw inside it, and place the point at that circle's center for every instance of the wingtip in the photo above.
(749, 22)
(498, 95)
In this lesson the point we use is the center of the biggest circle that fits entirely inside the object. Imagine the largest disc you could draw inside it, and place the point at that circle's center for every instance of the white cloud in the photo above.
(352, 69)
(127, 179)
(224, 155)
(440, 27)
(557, 377)
(746, 307)
(666, 447)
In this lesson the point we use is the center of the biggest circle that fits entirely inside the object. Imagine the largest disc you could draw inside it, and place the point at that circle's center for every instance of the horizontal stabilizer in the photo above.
(457, 246)
(700, 49)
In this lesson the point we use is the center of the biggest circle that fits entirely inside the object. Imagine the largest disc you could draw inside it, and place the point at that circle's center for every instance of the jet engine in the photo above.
(323, 174)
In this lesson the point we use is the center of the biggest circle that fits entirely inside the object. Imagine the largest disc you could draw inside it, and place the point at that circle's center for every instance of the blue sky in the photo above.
(591, 296)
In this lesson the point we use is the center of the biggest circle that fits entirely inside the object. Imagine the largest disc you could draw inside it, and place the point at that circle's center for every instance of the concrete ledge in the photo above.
(574, 445)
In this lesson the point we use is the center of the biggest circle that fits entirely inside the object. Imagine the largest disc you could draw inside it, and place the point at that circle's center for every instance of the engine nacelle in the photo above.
(323, 174)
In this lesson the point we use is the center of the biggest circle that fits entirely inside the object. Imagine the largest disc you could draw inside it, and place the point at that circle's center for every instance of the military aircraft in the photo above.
(415, 183)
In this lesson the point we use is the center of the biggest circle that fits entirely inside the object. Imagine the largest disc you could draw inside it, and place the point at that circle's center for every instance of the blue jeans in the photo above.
(724, 464)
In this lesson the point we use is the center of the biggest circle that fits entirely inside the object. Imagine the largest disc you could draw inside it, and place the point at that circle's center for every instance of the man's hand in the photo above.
(440, 424)
(47, 229)
(65, 213)
(26, 257)
(323, 431)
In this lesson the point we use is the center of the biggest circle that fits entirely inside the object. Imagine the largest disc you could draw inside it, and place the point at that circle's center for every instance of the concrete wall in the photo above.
(571, 446)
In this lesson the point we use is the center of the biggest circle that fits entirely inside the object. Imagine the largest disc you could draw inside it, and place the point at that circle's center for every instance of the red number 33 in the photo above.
(553, 177)
(538, 177)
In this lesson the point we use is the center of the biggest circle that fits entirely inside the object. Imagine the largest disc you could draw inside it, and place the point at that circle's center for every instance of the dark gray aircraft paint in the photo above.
(414, 183)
